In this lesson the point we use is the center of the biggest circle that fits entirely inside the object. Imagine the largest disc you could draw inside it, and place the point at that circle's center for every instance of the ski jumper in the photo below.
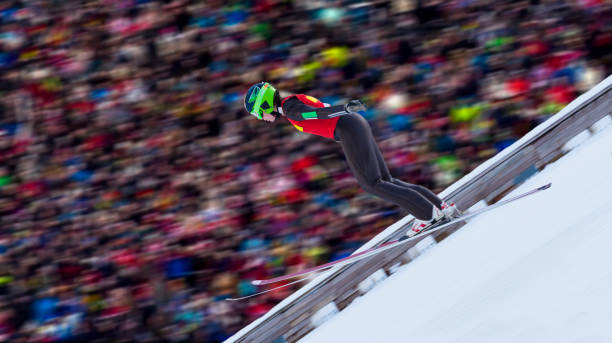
(363, 155)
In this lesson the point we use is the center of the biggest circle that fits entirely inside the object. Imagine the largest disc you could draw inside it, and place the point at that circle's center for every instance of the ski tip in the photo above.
(546, 186)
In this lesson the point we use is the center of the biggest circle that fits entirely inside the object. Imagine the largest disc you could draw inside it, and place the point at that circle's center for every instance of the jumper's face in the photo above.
(268, 117)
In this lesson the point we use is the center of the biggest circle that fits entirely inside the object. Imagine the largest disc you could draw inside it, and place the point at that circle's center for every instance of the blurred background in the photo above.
(136, 193)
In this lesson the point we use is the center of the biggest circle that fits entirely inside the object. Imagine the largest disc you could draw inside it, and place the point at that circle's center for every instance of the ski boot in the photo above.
(421, 225)
(450, 211)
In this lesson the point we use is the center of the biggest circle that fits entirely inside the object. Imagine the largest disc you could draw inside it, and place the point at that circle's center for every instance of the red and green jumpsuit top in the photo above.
(308, 114)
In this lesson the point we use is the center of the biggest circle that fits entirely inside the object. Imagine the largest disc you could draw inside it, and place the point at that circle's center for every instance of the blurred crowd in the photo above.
(136, 194)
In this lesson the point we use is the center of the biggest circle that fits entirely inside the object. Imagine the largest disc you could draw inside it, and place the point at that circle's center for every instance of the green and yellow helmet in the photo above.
(259, 99)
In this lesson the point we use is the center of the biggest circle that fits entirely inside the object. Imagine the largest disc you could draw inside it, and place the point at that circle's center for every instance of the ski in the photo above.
(394, 243)
(268, 290)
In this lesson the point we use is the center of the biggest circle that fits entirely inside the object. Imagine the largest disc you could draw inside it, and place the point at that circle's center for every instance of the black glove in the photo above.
(354, 106)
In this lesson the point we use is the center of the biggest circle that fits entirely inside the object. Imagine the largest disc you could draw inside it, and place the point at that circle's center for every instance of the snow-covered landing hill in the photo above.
(537, 270)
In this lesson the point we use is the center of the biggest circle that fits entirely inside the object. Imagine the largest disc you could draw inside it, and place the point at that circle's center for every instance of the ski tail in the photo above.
(268, 290)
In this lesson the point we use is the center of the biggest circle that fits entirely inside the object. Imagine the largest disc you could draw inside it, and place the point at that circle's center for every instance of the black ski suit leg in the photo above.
(367, 164)
(424, 191)
(386, 175)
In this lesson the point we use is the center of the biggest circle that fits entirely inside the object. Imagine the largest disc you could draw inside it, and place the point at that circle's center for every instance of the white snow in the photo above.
(536, 270)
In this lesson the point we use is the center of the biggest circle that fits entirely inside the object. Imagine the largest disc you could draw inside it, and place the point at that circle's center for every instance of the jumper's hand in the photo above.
(268, 117)
(354, 106)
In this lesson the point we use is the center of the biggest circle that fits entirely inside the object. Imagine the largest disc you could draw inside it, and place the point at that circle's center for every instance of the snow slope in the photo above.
(537, 270)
